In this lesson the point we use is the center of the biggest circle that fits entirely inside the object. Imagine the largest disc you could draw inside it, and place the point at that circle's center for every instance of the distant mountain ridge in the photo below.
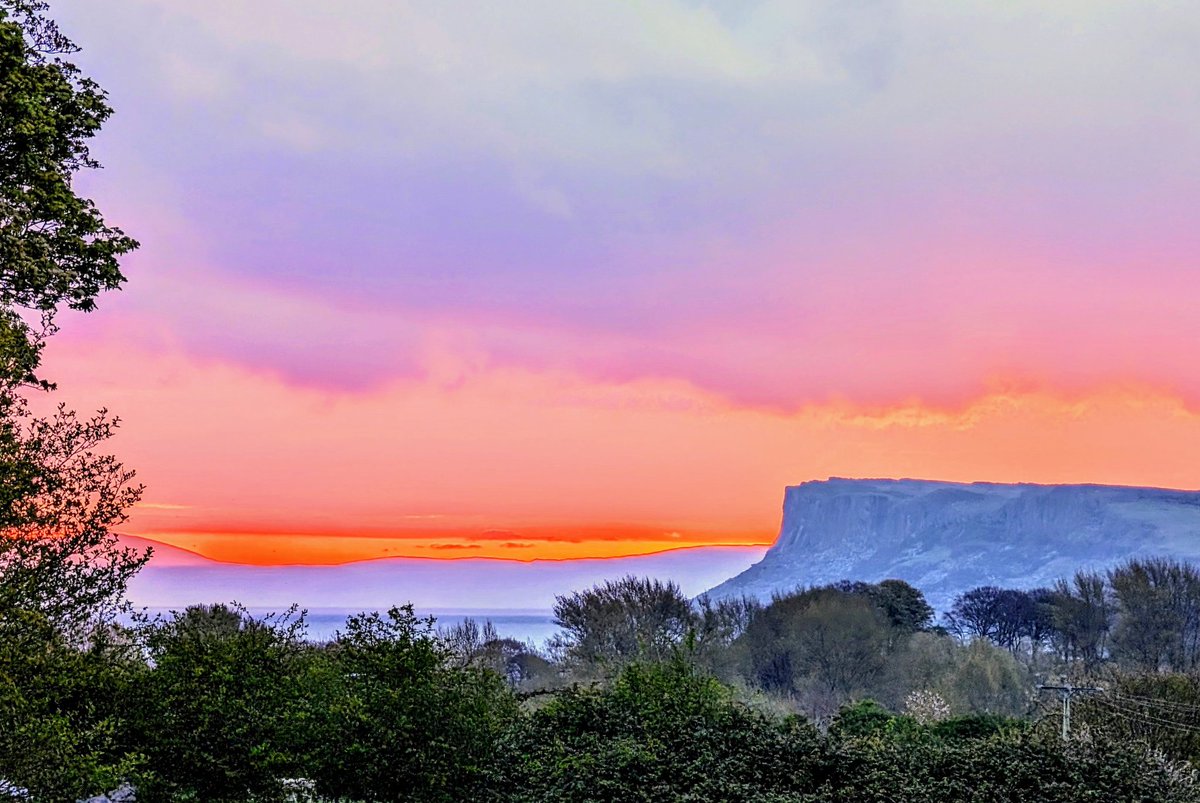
(176, 577)
(946, 537)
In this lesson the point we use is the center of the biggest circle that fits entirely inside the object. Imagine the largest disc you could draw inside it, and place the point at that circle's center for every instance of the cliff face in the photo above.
(947, 537)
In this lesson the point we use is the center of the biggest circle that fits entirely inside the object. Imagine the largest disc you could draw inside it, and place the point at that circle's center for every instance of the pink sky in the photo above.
(605, 279)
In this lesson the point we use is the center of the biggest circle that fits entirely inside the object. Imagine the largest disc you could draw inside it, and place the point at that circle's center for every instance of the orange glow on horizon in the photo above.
(325, 549)
(243, 467)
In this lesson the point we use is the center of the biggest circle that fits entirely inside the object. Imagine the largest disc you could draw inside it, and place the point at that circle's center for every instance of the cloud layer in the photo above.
(446, 213)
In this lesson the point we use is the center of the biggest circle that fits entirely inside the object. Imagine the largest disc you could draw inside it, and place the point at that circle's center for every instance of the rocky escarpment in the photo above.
(947, 537)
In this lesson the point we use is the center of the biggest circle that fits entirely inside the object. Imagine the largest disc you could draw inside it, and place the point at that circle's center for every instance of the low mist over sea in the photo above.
(531, 626)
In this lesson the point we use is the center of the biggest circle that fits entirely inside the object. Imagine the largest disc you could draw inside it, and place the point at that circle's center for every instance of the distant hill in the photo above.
(166, 554)
(946, 537)
(176, 578)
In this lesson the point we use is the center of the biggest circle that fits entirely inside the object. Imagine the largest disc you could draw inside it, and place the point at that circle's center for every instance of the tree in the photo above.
(986, 758)
(904, 606)
(62, 573)
(718, 626)
(825, 644)
(61, 715)
(393, 716)
(59, 499)
(1039, 625)
(839, 643)
(468, 640)
(1158, 614)
(984, 678)
(1081, 615)
(58, 553)
(473, 645)
(623, 620)
(55, 247)
(1158, 709)
(660, 732)
(1008, 617)
(213, 715)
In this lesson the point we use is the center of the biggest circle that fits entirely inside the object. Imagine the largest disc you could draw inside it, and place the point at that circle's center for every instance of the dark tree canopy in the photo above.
(58, 553)
(213, 716)
(903, 605)
(55, 247)
(1158, 600)
(624, 619)
(1008, 617)
(394, 719)
(827, 642)
(60, 498)
(1081, 616)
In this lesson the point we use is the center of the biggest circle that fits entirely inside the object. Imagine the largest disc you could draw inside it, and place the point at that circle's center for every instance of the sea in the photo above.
(531, 626)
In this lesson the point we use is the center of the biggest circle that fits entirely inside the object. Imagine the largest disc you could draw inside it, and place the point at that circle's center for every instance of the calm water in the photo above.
(523, 625)
(535, 626)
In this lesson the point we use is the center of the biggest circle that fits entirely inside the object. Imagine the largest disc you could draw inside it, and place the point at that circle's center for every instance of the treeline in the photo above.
(844, 692)
(1143, 615)
(807, 652)
(214, 704)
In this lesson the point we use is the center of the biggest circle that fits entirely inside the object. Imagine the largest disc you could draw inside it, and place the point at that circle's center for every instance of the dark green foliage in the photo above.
(55, 248)
(802, 632)
(667, 733)
(229, 706)
(1011, 769)
(216, 705)
(623, 620)
(825, 643)
(1158, 627)
(60, 715)
(58, 555)
(59, 500)
(867, 718)
(62, 574)
(213, 715)
(976, 726)
(20, 352)
(389, 718)
(904, 606)
(662, 732)
(873, 755)
(1160, 710)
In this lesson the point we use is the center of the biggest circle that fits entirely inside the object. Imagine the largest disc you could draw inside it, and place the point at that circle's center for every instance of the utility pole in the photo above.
(1068, 693)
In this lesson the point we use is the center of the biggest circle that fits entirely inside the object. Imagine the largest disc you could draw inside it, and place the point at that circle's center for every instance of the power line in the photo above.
(1150, 720)
(1068, 693)
(1146, 717)
(1158, 703)
(1157, 718)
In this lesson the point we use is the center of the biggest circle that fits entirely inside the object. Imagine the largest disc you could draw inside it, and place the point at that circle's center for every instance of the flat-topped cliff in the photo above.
(946, 537)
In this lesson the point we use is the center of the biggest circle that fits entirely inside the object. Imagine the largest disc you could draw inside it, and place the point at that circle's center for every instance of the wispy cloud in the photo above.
(638, 261)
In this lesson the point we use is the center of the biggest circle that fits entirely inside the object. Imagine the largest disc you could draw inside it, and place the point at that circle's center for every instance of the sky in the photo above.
(571, 279)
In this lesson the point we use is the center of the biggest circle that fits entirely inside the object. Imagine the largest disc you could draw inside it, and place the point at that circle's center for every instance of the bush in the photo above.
(389, 718)
(213, 713)
(662, 732)
(59, 712)
(1018, 768)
